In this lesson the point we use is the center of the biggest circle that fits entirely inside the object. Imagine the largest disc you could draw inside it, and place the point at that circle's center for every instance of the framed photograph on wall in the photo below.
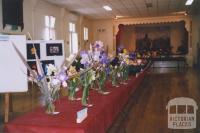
(32, 50)
(32, 65)
(47, 62)
(54, 49)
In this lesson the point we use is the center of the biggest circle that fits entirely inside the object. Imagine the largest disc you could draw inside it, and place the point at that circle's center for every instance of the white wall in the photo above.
(106, 33)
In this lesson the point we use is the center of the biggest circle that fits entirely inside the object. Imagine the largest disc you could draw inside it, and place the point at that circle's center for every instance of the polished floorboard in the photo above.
(146, 110)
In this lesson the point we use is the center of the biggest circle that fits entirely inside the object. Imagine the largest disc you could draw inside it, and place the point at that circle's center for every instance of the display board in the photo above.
(49, 52)
(13, 72)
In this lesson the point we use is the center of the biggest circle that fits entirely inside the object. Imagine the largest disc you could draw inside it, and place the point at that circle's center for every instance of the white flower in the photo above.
(55, 82)
(70, 57)
(118, 75)
(96, 56)
(65, 68)
(50, 69)
(64, 84)
(100, 43)
(139, 61)
(85, 59)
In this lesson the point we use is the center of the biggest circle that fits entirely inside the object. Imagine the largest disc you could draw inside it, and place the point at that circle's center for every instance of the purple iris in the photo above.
(120, 48)
(96, 45)
(107, 70)
(39, 77)
(62, 77)
(85, 60)
(82, 53)
(132, 55)
(104, 59)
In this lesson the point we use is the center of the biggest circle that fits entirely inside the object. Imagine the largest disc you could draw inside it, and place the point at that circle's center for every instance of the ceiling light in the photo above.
(107, 8)
(189, 2)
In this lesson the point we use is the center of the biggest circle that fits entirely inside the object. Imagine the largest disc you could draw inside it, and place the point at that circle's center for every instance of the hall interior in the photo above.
(167, 31)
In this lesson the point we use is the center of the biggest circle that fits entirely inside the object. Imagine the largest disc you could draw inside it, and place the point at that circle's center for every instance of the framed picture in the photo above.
(32, 50)
(32, 65)
(46, 62)
(54, 49)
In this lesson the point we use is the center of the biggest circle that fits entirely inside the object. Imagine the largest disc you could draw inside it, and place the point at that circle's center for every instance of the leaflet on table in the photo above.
(81, 115)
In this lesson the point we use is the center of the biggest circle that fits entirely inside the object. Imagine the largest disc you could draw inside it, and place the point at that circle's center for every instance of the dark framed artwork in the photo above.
(47, 62)
(31, 50)
(32, 65)
(54, 49)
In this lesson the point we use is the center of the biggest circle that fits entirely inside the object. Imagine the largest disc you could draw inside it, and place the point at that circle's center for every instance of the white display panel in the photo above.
(13, 73)
(58, 59)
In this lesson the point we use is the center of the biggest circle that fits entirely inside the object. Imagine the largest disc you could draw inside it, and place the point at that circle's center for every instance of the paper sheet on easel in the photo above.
(13, 73)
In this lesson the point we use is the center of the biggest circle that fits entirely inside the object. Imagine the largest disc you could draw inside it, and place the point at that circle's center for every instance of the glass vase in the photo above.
(50, 107)
(84, 100)
(73, 84)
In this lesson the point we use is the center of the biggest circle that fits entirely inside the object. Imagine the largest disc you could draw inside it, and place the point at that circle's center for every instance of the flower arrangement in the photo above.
(86, 80)
(72, 82)
(114, 75)
(49, 83)
(115, 71)
(90, 68)
(124, 62)
(101, 77)
(102, 62)
(87, 76)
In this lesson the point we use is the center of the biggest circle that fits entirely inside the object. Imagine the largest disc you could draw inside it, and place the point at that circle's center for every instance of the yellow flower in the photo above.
(127, 61)
(125, 51)
(72, 70)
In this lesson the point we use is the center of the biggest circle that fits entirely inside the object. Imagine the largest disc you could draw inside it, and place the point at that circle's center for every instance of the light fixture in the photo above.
(189, 2)
(107, 8)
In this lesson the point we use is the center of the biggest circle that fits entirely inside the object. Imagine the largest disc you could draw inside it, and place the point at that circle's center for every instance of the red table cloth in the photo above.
(100, 116)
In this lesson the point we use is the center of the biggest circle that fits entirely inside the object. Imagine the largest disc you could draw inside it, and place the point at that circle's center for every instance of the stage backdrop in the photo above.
(175, 33)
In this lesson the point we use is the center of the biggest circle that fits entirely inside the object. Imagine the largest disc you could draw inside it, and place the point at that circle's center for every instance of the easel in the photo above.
(7, 50)
(7, 106)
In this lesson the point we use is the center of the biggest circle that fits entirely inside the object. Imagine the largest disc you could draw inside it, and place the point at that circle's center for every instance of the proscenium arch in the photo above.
(159, 20)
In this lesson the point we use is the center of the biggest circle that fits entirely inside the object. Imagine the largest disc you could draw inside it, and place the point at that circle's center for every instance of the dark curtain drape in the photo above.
(13, 13)
(118, 36)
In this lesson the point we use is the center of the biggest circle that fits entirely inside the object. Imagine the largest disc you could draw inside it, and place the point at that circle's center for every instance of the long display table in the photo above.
(100, 116)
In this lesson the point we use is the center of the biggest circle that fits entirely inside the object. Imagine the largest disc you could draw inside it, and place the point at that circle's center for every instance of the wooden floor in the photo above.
(146, 110)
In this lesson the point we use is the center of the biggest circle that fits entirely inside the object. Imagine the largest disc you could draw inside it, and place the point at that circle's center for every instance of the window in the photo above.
(85, 33)
(73, 38)
(50, 28)
(72, 27)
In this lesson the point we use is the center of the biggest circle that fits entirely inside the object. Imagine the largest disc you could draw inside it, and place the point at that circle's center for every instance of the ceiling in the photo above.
(127, 8)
